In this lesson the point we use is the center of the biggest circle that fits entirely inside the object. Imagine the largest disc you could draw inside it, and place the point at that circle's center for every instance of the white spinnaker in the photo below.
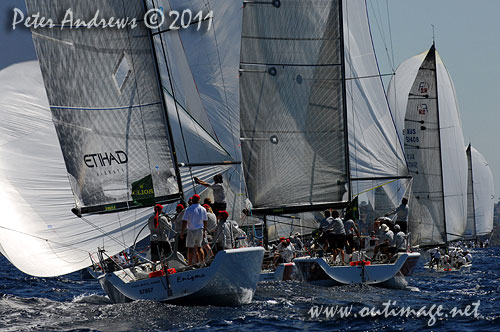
(374, 146)
(38, 232)
(453, 155)
(484, 193)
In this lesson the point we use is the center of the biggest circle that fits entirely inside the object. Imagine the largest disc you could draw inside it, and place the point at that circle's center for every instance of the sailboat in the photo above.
(316, 129)
(111, 113)
(480, 196)
(423, 98)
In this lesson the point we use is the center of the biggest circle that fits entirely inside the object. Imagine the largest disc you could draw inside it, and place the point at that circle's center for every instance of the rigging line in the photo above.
(390, 34)
(100, 229)
(121, 229)
(381, 31)
(290, 224)
(196, 121)
(381, 185)
(46, 240)
(166, 57)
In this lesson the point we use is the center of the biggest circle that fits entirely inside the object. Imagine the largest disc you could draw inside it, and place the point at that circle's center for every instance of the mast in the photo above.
(469, 161)
(473, 198)
(433, 50)
(344, 100)
(165, 110)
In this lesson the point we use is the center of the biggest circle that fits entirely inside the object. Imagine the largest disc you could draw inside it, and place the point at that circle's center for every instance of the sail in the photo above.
(484, 194)
(375, 150)
(292, 103)
(199, 69)
(107, 107)
(38, 232)
(423, 100)
(213, 56)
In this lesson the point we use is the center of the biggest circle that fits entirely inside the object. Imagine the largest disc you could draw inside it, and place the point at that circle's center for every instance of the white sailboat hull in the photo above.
(317, 271)
(231, 279)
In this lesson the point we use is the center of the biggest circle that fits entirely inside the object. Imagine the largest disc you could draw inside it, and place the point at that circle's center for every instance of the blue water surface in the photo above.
(68, 303)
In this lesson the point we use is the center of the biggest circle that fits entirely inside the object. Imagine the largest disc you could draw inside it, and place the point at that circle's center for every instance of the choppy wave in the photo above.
(70, 304)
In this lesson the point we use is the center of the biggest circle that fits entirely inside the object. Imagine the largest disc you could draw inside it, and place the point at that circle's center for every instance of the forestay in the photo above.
(107, 107)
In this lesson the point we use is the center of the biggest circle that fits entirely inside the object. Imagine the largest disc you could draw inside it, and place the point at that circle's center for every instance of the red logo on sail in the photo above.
(422, 109)
(423, 87)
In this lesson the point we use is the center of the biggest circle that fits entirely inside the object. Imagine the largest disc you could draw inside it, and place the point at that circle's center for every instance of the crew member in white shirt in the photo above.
(195, 220)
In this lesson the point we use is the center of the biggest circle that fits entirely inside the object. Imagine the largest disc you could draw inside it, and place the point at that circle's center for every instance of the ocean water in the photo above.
(68, 303)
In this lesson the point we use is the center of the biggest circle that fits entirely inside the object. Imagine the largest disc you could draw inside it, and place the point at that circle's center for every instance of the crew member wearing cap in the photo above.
(158, 225)
(285, 252)
(195, 220)
(385, 240)
(219, 203)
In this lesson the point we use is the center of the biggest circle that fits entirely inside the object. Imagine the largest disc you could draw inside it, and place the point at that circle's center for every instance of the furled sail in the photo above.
(423, 100)
(38, 232)
(292, 103)
(107, 107)
(480, 195)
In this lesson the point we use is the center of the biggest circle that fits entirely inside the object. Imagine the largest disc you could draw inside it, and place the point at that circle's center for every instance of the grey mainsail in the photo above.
(107, 107)
(292, 101)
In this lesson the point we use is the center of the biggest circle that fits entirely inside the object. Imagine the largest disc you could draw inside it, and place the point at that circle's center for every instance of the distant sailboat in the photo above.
(315, 124)
(105, 91)
(480, 196)
(423, 100)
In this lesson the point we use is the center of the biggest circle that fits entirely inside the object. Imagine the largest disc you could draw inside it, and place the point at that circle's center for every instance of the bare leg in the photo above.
(199, 253)
(342, 254)
(208, 251)
(190, 256)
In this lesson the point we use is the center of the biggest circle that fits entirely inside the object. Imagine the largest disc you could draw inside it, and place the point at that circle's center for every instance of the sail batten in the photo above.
(426, 113)
(108, 108)
(292, 109)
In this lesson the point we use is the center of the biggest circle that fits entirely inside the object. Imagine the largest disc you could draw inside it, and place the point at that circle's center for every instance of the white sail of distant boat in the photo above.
(425, 108)
(315, 125)
(118, 145)
(480, 196)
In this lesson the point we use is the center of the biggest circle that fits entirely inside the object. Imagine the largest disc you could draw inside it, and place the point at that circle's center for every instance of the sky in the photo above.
(467, 35)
